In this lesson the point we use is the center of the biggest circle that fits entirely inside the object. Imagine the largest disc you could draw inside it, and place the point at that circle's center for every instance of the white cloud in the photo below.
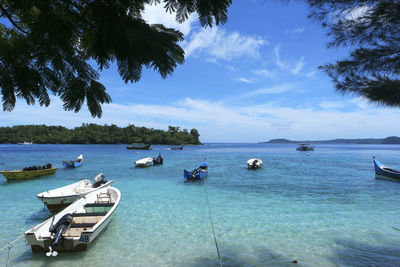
(298, 30)
(214, 119)
(270, 90)
(277, 58)
(299, 66)
(219, 44)
(156, 14)
(264, 72)
(243, 80)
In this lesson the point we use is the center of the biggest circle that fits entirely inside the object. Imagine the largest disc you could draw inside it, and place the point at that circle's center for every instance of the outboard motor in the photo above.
(99, 180)
(254, 165)
(57, 231)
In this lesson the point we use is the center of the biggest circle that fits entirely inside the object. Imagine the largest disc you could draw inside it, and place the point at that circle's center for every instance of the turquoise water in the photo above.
(321, 208)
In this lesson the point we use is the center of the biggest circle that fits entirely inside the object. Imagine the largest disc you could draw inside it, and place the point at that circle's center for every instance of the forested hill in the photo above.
(387, 140)
(97, 134)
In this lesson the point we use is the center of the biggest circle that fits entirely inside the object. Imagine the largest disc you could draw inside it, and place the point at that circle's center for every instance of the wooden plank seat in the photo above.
(82, 225)
(89, 205)
(85, 214)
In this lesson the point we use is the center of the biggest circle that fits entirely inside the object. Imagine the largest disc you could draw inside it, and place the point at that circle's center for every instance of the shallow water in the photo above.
(321, 208)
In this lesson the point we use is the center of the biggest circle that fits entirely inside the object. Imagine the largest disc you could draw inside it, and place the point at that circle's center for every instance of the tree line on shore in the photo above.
(97, 134)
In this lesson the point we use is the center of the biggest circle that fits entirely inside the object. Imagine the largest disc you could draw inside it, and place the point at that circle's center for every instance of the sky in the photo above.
(252, 79)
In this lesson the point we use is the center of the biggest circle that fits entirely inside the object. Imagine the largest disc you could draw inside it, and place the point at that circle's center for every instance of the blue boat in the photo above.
(382, 171)
(74, 163)
(197, 174)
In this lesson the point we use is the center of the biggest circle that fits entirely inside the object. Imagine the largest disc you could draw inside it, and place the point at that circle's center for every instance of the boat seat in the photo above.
(82, 225)
(85, 214)
(89, 205)
(103, 198)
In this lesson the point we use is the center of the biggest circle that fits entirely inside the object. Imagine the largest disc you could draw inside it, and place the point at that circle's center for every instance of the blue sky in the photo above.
(253, 79)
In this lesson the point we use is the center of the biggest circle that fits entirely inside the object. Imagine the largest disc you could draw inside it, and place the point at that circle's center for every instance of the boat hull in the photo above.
(21, 175)
(72, 164)
(383, 172)
(197, 177)
(58, 203)
(145, 147)
(86, 225)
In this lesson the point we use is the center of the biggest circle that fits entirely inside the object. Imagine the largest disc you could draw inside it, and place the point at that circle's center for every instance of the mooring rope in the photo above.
(212, 225)
(11, 243)
(9, 246)
(386, 224)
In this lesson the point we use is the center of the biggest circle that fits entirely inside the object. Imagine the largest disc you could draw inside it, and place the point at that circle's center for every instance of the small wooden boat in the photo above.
(29, 172)
(59, 198)
(158, 161)
(74, 163)
(254, 163)
(77, 226)
(141, 147)
(177, 148)
(197, 174)
(305, 147)
(384, 172)
(145, 162)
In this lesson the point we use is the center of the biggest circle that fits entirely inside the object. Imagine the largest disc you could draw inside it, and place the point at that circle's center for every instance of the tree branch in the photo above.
(4, 11)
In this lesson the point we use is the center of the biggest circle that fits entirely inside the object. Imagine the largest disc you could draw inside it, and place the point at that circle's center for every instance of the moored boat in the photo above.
(74, 163)
(60, 198)
(382, 171)
(197, 174)
(305, 147)
(25, 143)
(159, 160)
(254, 163)
(145, 162)
(77, 226)
(29, 172)
(177, 148)
(140, 147)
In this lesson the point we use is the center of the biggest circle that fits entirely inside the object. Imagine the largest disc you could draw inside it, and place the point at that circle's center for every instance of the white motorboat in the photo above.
(60, 198)
(145, 162)
(77, 226)
(254, 163)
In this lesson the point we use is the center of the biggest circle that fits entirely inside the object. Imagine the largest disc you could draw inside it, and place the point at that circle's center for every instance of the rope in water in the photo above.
(212, 226)
(11, 243)
(9, 246)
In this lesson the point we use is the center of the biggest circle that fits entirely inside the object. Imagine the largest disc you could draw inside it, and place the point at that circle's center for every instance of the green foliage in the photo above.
(46, 45)
(372, 28)
(95, 134)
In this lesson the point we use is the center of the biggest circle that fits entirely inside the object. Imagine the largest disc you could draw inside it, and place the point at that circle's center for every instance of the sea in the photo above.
(315, 208)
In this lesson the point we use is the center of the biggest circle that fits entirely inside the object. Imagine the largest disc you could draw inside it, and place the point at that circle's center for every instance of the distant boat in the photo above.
(140, 147)
(197, 174)
(382, 171)
(29, 172)
(62, 197)
(74, 163)
(25, 143)
(145, 162)
(159, 160)
(77, 226)
(177, 148)
(305, 147)
(254, 163)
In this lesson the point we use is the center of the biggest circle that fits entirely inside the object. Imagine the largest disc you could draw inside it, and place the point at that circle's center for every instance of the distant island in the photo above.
(97, 134)
(387, 140)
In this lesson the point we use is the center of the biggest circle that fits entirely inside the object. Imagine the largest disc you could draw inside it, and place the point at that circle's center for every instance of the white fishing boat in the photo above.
(77, 226)
(60, 198)
(254, 163)
(145, 162)
(25, 143)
